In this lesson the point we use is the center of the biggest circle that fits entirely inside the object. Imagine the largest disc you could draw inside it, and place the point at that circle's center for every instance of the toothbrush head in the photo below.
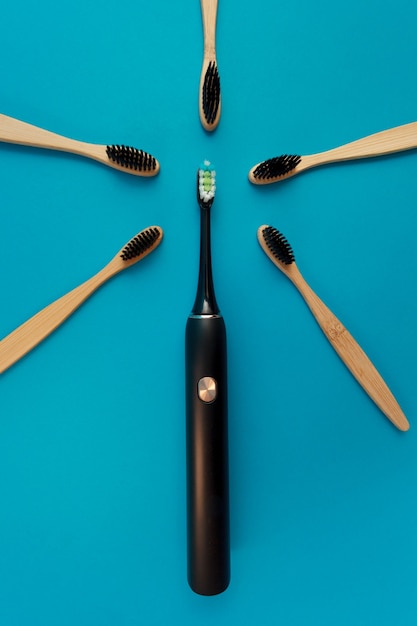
(271, 170)
(133, 159)
(275, 245)
(142, 244)
(206, 185)
(210, 96)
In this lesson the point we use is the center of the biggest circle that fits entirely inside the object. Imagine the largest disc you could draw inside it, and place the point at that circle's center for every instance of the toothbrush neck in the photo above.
(205, 301)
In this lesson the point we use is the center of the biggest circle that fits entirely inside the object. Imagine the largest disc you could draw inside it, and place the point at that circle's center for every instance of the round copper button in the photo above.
(207, 389)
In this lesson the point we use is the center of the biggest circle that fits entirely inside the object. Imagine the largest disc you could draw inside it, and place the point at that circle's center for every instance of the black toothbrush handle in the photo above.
(207, 455)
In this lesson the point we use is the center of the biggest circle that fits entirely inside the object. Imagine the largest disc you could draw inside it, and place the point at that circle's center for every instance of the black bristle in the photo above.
(140, 244)
(211, 93)
(278, 245)
(276, 167)
(131, 158)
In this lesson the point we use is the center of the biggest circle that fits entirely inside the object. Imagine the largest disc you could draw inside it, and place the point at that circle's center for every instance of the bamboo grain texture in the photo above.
(21, 133)
(344, 344)
(351, 353)
(29, 334)
(397, 139)
(209, 18)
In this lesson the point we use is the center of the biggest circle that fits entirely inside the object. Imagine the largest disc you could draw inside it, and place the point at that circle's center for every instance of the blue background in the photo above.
(92, 446)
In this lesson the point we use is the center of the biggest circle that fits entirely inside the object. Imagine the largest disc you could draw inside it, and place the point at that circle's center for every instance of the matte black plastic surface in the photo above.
(207, 458)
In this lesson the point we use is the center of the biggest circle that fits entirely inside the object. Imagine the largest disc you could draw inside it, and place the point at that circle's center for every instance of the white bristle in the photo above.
(204, 194)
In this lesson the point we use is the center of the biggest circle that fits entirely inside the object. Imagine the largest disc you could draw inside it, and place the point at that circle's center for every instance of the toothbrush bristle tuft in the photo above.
(140, 244)
(276, 167)
(131, 158)
(206, 182)
(278, 245)
(211, 93)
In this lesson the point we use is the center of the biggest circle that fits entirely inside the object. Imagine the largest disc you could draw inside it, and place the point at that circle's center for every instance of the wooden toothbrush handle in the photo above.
(385, 142)
(209, 13)
(17, 132)
(353, 356)
(38, 327)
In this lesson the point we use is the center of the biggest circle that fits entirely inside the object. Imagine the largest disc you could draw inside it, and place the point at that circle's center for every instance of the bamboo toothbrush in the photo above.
(38, 327)
(280, 252)
(206, 420)
(385, 142)
(123, 158)
(209, 101)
